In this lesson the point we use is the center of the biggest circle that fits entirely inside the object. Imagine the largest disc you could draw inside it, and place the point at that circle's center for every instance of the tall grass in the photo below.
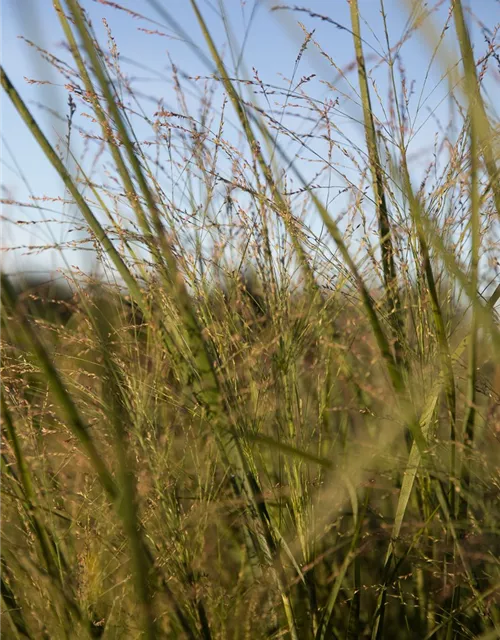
(262, 419)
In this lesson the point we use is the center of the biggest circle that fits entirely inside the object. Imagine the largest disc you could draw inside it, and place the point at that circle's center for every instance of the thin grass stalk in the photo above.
(271, 297)
(324, 630)
(123, 240)
(473, 89)
(485, 310)
(475, 226)
(354, 624)
(442, 338)
(470, 414)
(11, 433)
(474, 601)
(109, 137)
(173, 344)
(459, 552)
(385, 231)
(89, 217)
(494, 298)
(105, 127)
(254, 144)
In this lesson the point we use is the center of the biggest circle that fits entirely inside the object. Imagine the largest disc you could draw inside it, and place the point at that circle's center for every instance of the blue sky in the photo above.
(271, 46)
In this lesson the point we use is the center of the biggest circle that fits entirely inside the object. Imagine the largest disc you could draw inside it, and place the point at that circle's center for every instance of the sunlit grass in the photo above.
(261, 419)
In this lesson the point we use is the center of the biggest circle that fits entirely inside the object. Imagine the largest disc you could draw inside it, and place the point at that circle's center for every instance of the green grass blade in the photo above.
(482, 126)
(385, 232)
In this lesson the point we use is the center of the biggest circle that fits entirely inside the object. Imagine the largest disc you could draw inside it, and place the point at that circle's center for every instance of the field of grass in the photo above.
(261, 415)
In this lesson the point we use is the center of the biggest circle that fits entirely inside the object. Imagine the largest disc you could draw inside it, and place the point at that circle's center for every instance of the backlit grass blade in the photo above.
(476, 116)
(385, 232)
(483, 130)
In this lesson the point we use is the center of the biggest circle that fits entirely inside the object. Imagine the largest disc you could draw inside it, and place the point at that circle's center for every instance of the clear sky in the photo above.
(271, 42)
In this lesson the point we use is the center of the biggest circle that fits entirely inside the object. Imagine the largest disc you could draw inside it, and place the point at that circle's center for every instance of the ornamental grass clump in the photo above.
(270, 407)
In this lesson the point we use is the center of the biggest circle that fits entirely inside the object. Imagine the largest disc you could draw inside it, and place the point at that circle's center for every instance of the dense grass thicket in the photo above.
(271, 408)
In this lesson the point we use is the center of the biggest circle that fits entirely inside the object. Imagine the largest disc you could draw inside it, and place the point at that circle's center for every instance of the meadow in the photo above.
(270, 408)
